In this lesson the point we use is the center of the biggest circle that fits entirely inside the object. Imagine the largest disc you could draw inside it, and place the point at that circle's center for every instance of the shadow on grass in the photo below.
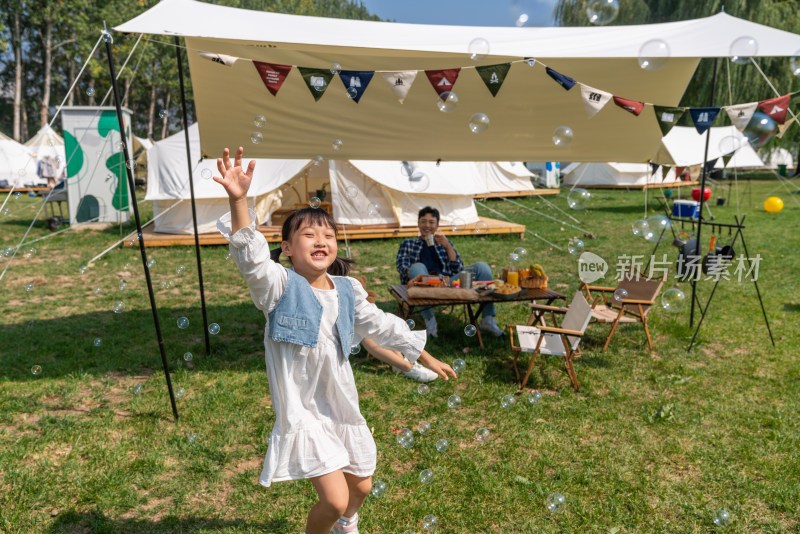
(70, 522)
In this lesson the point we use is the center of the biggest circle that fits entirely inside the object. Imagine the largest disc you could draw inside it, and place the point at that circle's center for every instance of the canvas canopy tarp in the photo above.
(523, 116)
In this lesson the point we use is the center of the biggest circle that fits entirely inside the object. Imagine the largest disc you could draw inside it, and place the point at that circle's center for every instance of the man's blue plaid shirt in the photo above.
(409, 254)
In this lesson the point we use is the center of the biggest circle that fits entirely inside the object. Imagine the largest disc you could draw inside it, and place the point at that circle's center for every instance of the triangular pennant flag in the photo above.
(493, 76)
(703, 118)
(443, 80)
(664, 172)
(356, 82)
(776, 107)
(632, 106)
(653, 167)
(740, 114)
(726, 159)
(679, 172)
(564, 81)
(273, 75)
(594, 99)
(710, 164)
(317, 80)
(785, 126)
(222, 59)
(668, 117)
(400, 82)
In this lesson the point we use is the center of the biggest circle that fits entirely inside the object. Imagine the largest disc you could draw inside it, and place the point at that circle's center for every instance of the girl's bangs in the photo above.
(307, 216)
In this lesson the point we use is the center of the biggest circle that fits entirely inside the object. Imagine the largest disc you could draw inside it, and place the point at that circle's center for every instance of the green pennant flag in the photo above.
(668, 117)
(317, 80)
(726, 159)
(664, 172)
(493, 76)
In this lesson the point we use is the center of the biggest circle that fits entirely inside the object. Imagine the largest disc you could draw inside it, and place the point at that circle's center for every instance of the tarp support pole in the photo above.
(132, 197)
(191, 191)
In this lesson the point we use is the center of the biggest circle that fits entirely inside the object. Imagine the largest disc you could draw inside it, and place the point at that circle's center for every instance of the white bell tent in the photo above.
(47, 142)
(17, 165)
(779, 156)
(613, 174)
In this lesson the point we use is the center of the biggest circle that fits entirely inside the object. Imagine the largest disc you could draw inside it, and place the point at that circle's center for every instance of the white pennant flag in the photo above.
(594, 99)
(783, 127)
(222, 59)
(740, 114)
(400, 82)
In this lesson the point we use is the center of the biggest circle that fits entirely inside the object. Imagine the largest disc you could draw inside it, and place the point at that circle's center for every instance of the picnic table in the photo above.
(473, 308)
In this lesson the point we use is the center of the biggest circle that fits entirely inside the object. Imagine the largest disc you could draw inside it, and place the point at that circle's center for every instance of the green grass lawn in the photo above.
(653, 441)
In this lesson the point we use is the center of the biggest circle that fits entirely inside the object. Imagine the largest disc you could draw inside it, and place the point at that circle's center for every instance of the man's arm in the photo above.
(404, 259)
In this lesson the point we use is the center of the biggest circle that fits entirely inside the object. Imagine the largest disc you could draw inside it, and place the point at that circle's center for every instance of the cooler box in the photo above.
(686, 208)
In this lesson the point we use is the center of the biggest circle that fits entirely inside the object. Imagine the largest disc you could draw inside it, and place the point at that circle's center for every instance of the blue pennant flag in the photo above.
(710, 164)
(356, 81)
(564, 81)
(703, 117)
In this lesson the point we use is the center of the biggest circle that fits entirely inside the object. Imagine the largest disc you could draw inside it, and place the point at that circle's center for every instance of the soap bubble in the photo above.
(259, 121)
(418, 181)
(29, 286)
(319, 83)
(575, 246)
(213, 329)
(29, 252)
(82, 270)
(409, 531)
(180, 392)
(97, 342)
(478, 49)
(578, 198)
(482, 435)
(405, 438)
(519, 13)
(137, 390)
(760, 129)
(479, 123)
(166, 284)
(429, 522)
(459, 365)
(6, 211)
(227, 255)
(521, 253)
(426, 476)
(423, 389)
(183, 322)
(193, 437)
(556, 503)
(131, 164)
(481, 227)
(315, 202)
(378, 488)
(659, 222)
(317, 160)
(374, 209)
(514, 257)
(730, 144)
(355, 349)
(423, 427)
(454, 401)
(336, 68)
(795, 63)
(180, 269)
(187, 356)
(640, 227)
(562, 136)
(602, 12)
(722, 518)
(742, 49)
(120, 146)
(508, 401)
(457, 224)
(206, 174)
(447, 101)
(90, 91)
(351, 192)
(673, 300)
(654, 54)
(151, 263)
(470, 330)
(118, 307)
(620, 295)
(36, 370)
(123, 285)
(352, 92)
(256, 138)
(441, 445)
(163, 113)
(534, 397)
(337, 145)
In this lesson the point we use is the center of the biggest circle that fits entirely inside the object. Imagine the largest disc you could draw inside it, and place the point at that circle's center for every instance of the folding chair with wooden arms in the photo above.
(553, 340)
(634, 308)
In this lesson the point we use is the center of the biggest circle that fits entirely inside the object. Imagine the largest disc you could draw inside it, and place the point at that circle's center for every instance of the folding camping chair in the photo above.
(642, 293)
(553, 340)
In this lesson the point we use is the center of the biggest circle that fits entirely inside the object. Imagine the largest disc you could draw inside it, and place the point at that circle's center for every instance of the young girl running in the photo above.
(312, 321)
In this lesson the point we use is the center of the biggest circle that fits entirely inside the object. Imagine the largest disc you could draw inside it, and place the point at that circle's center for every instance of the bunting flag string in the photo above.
(668, 117)
(356, 82)
(493, 76)
(631, 106)
(272, 74)
(400, 82)
(564, 81)
(443, 80)
(702, 118)
(594, 100)
(776, 108)
(317, 80)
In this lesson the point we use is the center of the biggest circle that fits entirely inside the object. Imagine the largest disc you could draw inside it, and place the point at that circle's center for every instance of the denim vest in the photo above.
(297, 316)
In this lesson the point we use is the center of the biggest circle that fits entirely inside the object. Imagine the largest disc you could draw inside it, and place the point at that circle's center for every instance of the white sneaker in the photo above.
(418, 373)
(430, 326)
(488, 325)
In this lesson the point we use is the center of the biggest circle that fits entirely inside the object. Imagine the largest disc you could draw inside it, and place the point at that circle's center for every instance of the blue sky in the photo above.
(464, 12)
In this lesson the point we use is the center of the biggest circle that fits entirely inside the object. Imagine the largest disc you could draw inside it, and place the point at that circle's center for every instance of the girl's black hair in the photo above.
(313, 217)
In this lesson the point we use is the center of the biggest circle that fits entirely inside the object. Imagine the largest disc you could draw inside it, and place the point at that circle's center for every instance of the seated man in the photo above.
(416, 257)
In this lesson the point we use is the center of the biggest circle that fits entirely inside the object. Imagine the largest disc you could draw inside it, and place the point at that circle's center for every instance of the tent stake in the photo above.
(191, 191)
(132, 197)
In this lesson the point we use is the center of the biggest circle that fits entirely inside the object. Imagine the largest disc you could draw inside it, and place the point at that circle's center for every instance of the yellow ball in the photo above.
(773, 204)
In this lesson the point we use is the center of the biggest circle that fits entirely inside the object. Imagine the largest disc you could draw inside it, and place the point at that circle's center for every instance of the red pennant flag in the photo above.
(632, 106)
(776, 107)
(272, 74)
(443, 80)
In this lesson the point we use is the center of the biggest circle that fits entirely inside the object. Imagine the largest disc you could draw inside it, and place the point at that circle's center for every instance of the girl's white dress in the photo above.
(318, 425)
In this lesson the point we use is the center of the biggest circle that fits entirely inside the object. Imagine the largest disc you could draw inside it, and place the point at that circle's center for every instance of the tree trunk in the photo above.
(47, 47)
(151, 114)
(16, 41)
(91, 93)
(72, 69)
(165, 120)
(126, 98)
(24, 125)
(797, 163)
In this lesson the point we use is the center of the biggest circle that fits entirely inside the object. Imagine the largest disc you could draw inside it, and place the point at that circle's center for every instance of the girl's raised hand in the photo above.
(235, 180)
